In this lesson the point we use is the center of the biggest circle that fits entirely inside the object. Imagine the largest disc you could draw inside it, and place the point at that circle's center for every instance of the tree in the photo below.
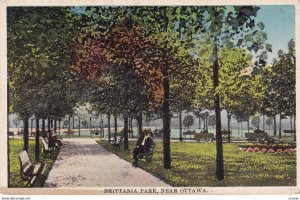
(222, 25)
(212, 120)
(84, 123)
(188, 121)
(269, 122)
(16, 121)
(37, 60)
(256, 121)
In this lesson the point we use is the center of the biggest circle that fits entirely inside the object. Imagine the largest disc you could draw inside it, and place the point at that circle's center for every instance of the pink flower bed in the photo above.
(270, 151)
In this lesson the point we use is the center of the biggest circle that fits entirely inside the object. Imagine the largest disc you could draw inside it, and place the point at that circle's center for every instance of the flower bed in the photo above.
(272, 148)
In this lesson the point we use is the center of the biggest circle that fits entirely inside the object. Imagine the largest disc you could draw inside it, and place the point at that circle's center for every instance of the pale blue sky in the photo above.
(279, 21)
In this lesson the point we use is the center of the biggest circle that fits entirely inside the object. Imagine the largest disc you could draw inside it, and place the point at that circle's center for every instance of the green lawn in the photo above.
(193, 164)
(15, 147)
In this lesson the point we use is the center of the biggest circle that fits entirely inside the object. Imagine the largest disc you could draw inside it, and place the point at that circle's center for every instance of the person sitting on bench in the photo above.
(143, 145)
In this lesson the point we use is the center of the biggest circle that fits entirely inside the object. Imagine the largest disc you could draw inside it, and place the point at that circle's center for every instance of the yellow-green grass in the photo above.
(15, 147)
(193, 164)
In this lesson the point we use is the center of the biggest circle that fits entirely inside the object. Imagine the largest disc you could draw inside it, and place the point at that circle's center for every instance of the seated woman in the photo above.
(143, 145)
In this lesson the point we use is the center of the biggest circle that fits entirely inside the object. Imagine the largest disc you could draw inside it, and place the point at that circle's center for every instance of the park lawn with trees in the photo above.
(193, 165)
(131, 62)
(16, 147)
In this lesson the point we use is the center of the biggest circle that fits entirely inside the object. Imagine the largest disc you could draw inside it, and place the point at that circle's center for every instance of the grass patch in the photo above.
(16, 147)
(193, 164)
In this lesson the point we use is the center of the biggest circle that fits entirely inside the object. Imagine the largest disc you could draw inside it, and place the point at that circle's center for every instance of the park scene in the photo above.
(151, 96)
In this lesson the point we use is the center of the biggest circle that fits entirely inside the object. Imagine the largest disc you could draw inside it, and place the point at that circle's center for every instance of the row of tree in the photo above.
(131, 62)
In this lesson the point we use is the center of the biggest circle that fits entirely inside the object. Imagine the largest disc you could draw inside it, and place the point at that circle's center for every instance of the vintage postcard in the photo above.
(151, 97)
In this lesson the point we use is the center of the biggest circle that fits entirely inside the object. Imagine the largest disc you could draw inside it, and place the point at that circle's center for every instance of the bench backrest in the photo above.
(254, 136)
(119, 139)
(203, 135)
(45, 145)
(10, 133)
(25, 163)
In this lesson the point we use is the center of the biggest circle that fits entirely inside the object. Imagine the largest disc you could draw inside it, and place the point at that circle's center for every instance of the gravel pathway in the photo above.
(84, 163)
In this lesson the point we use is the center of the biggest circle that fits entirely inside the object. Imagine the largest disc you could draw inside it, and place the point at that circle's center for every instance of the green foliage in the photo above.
(256, 121)
(16, 121)
(269, 121)
(280, 79)
(37, 62)
(211, 120)
(188, 121)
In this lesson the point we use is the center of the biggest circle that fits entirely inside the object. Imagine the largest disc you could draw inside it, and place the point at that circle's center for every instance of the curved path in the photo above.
(84, 163)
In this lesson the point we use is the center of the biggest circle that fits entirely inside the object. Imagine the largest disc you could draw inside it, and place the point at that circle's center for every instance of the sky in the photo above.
(279, 21)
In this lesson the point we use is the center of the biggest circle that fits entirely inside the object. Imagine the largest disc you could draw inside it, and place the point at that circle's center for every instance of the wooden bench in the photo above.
(190, 133)
(56, 140)
(256, 136)
(149, 154)
(46, 149)
(69, 132)
(116, 145)
(204, 136)
(95, 132)
(225, 134)
(10, 134)
(289, 131)
(28, 171)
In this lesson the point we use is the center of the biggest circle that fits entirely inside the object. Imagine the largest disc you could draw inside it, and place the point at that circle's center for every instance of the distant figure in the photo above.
(143, 145)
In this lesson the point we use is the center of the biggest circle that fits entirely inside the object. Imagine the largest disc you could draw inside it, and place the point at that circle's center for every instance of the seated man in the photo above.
(143, 145)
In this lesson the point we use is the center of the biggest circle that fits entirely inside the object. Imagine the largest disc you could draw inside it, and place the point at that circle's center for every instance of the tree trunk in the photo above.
(294, 127)
(279, 126)
(219, 146)
(248, 124)
(126, 146)
(90, 123)
(108, 128)
(166, 119)
(44, 128)
(74, 123)
(180, 126)
(69, 122)
(206, 121)
(275, 130)
(291, 122)
(37, 140)
(31, 126)
(264, 122)
(59, 121)
(49, 127)
(228, 124)
(55, 125)
(116, 127)
(199, 120)
(238, 128)
(204, 129)
(78, 125)
(140, 124)
(131, 126)
(25, 134)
